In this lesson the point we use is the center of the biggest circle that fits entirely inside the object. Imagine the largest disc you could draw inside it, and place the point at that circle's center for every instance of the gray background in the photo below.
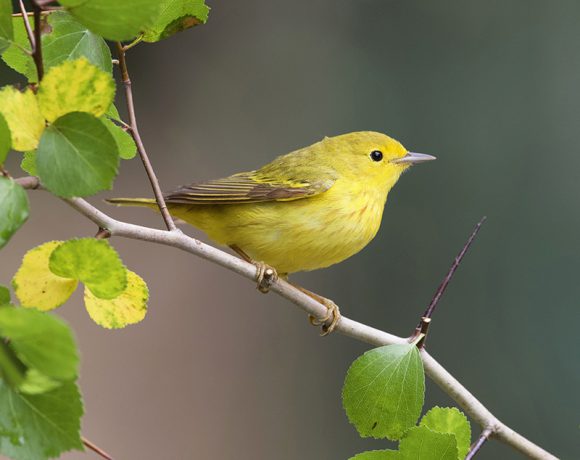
(219, 371)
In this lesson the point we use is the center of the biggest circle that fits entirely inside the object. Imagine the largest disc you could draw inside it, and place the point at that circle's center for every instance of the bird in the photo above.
(309, 209)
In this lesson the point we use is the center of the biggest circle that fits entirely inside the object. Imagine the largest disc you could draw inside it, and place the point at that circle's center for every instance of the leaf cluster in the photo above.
(383, 397)
(64, 124)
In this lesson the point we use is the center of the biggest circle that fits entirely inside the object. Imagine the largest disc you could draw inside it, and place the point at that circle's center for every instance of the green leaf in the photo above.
(77, 156)
(384, 391)
(175, 16)
(421, 443)
(16, 56)
(70, 40)
(6, 30)
(114, 19)
(40, 426)
(125, 142)
(66, 39)
(75, 86)
(21, 112)
(377, 455)
(93, 262)
(41, 341)
(28, 163)
(129, 307)
(4, 295)
(450, 420)
(13, 208)
(36, 286)
(113, 113)
(5, 139)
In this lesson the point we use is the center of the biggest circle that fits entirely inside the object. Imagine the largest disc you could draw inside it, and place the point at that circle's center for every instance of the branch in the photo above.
(137, 137)
(449, 384)
(37, 49)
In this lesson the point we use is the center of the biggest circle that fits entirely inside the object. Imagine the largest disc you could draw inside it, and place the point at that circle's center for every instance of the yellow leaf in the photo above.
(22, 114)
(36, 286)
(129, 307)
(75, 86)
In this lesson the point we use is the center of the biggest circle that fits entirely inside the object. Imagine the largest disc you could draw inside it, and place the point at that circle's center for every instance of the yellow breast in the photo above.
(299, 235)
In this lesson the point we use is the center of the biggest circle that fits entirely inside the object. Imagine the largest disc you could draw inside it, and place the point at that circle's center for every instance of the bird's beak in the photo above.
(412, 158)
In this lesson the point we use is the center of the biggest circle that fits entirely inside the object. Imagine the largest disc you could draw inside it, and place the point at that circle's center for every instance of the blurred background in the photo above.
(219, 371)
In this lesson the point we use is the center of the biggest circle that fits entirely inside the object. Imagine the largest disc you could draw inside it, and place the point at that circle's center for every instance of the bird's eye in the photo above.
(376, 155)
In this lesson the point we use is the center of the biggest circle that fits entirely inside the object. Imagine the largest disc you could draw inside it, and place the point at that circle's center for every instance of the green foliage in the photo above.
(424, 444)
(63, 38)
(13, 208)
(175, 16)
(93, 262)
(40, 426)
(452, 421)
(77, 156)
(41, 341)
(6, 30)
(4, 295)
(5, 139)
(384, 391)
(69, 39)
(125, 143)
(114, 19)
(28, 163)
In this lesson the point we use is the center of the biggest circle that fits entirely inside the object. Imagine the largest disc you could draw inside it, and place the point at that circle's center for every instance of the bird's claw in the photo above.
(333, 315)
(265, 277)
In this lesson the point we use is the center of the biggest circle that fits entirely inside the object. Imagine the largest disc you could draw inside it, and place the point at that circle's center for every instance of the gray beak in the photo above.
(413, 158)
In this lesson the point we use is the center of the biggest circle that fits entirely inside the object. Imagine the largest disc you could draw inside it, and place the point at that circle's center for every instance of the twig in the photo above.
(485, 434)
(140, 147)
(37, 49)
(449, 384)
(27, 26)
(423, 326)
(96, 449)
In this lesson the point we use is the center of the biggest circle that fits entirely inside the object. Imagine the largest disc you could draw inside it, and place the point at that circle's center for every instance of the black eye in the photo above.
(376, 155)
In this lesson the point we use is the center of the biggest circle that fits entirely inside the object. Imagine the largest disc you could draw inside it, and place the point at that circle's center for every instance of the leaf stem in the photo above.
(140, 147)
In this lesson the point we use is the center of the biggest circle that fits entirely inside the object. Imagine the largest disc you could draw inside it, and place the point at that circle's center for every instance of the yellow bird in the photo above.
(309, 209)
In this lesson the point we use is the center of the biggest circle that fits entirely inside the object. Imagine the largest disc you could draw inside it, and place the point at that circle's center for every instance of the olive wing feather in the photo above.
(250, 187)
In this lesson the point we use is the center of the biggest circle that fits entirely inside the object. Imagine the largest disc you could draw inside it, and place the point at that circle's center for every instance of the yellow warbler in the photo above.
(305, 210)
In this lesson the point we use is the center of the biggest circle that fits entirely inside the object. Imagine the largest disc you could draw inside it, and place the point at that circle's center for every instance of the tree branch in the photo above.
(140, 146)
(449, 384)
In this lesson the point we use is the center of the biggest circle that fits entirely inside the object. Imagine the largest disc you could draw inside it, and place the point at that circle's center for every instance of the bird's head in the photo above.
(371, 157)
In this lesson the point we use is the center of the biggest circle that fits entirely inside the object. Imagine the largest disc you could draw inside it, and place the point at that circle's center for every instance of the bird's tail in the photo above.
(143, 202)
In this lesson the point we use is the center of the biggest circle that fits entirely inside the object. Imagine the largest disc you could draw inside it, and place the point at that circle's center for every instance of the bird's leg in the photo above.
(265, 275)
(332, 315)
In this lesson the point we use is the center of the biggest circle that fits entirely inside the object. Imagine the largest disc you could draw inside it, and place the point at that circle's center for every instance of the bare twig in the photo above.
(140, 147)
(37, 48)
(485, 434)
(27, 26)
(96, 449)
(449, 384)
(423, 326)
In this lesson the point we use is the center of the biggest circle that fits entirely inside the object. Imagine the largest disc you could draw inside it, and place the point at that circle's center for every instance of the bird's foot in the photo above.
(333, 315)
(265, 277)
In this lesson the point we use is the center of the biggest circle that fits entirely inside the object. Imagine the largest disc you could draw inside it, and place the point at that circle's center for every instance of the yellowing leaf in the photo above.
(36, 286)
(21, 112)
(129, 307)
(75, 86)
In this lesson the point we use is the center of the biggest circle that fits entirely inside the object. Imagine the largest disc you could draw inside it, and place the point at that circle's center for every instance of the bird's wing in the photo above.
(250, 187)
